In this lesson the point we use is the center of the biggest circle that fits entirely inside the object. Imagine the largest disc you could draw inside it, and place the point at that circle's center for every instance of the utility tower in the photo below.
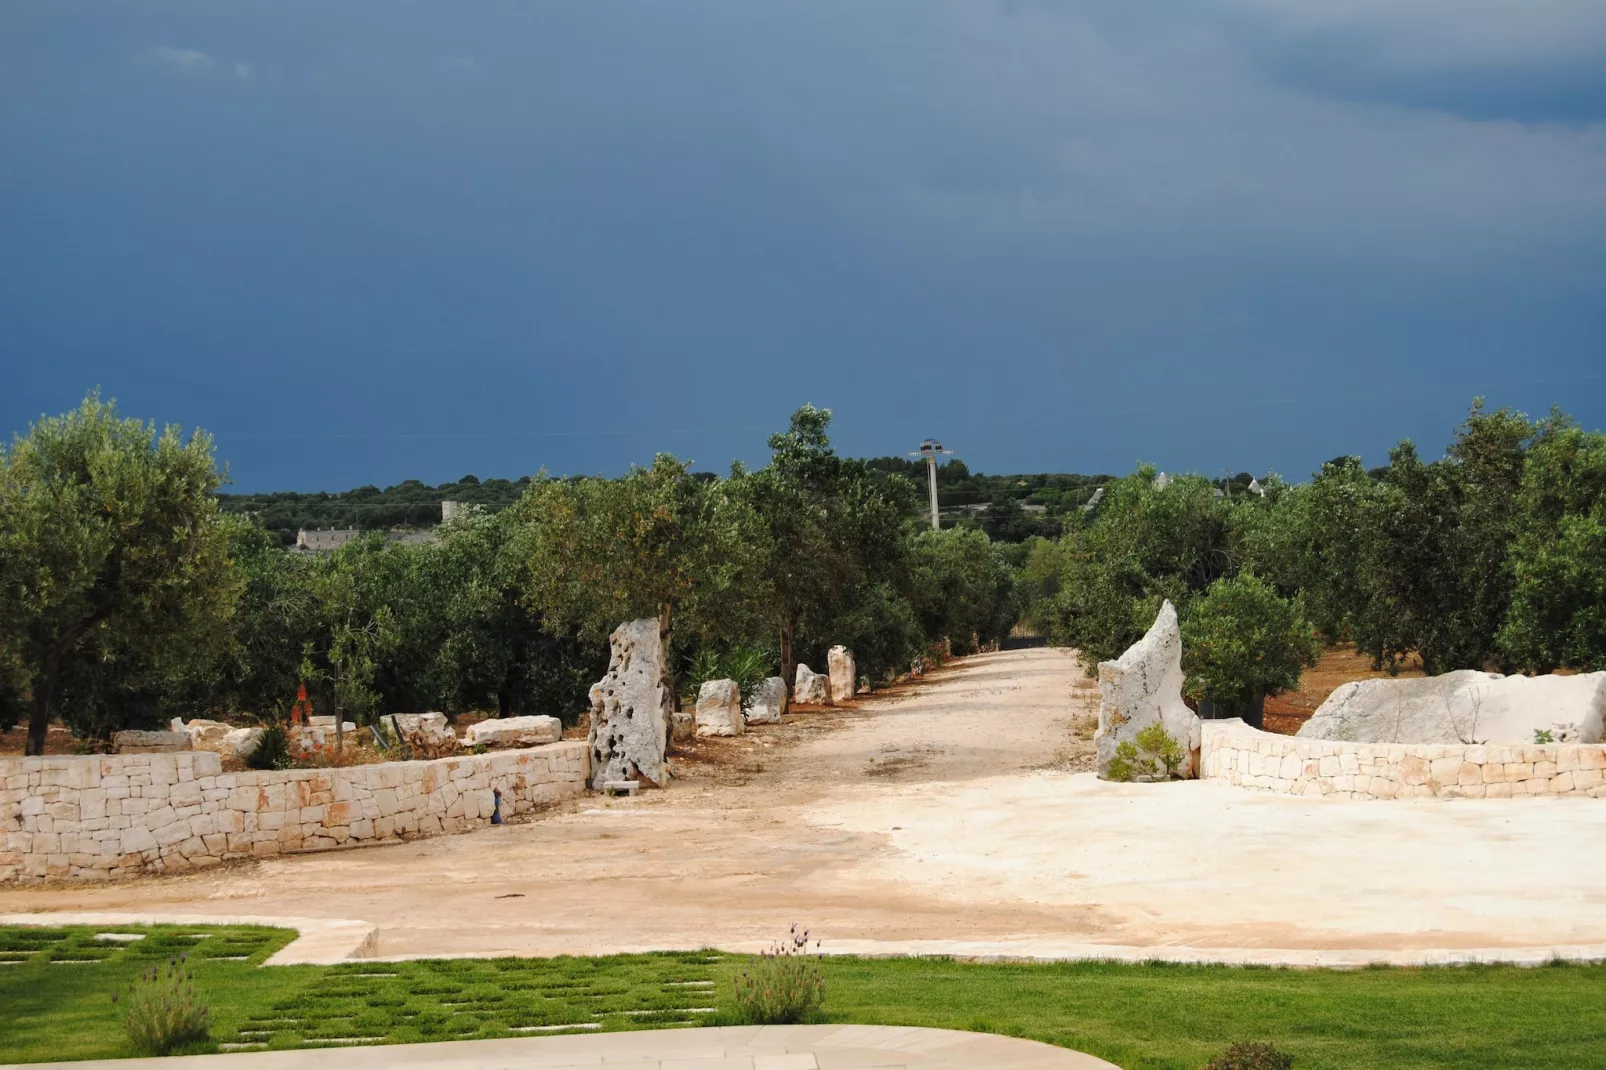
(931, 449)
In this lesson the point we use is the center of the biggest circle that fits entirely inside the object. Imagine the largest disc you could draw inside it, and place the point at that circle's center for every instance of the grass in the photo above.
(56, 984)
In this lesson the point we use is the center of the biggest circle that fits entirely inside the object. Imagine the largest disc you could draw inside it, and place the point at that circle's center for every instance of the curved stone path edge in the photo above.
(326, 941)
(752, 1047)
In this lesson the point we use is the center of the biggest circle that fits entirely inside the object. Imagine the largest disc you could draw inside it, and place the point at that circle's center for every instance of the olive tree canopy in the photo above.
(114, 568)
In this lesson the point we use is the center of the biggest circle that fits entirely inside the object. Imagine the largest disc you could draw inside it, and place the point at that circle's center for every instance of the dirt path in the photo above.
(942, 814)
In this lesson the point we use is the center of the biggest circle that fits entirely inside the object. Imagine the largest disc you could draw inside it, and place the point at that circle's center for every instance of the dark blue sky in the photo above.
(377, 239)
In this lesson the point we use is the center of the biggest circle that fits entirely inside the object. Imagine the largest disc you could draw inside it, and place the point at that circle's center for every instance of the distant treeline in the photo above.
(408, 504)
(413, 504)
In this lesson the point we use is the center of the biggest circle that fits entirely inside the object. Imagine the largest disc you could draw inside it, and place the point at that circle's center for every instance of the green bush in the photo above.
(1251, 1055)
(749, 666)
(883, 633)
(1241, 639)
(273, 749)
(1155, 752)
(783, 985)
(164, 1014)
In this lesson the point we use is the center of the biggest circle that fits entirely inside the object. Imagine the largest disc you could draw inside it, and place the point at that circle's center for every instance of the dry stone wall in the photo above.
(1238, 754)
(95, 818)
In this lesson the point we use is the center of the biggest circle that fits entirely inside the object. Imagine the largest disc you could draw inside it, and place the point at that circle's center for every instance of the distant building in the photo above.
(1162, 481)
(1256, 488)
(327, 540)
(323, 540)
(1093, 502)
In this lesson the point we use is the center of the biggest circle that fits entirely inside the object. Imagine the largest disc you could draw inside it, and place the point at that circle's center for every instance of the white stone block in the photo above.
(528, 731)
(719, 709)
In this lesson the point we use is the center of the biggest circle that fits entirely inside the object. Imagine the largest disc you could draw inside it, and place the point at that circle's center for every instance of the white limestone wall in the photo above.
(101, 817)
(1238, 754)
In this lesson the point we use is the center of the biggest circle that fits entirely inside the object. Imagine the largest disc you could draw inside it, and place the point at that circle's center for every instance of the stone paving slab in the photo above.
(796, 1047)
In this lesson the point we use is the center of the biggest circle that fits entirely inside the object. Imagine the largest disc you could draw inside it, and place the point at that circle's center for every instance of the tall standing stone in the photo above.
(631, 707)
(844, 674)
(1144, 687)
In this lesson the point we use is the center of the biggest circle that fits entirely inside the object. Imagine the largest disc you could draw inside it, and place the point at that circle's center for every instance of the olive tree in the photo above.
(113, 562)
(655, 543)
(1557, 617)
(1241, 639)
(823, 532)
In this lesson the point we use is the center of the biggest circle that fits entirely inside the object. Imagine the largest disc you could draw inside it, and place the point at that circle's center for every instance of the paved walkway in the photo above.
(771, 1047)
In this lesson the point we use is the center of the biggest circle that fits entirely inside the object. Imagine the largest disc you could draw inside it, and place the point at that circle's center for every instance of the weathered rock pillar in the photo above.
(1141, 688)
(631, 707)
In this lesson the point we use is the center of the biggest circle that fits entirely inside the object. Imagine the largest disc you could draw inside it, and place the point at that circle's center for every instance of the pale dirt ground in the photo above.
(944, 813)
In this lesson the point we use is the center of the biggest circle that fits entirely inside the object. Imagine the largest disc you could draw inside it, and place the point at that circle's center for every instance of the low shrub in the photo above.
(1251, 1055)
(272, 750)
(747, 665)
(164, 1014)
(782, 986)
(1155, 753)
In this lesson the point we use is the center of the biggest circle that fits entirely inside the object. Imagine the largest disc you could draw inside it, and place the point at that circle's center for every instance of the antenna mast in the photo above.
(931, 449)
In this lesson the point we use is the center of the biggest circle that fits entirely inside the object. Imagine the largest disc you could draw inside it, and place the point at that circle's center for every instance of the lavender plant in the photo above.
(783, 985)
(163, 1011)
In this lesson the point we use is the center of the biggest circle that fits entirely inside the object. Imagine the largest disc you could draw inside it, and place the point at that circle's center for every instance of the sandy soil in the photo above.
(947, 812)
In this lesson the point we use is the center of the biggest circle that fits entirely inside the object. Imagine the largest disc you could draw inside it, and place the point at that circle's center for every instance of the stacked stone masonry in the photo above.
(1238, 754)
(96, 818)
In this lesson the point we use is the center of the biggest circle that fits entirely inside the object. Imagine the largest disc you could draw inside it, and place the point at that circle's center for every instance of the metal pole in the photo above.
(931, 474)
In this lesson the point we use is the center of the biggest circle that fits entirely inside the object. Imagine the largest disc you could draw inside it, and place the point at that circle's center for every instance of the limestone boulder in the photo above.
(1465, 706)
(139, 742)
(769, 702)
(682, 726)
(240, 743)
(204, 734)
(529, 731)
(811, 688)
(306, 739)
(1143, 687)
(844, 674)
(427, 735)
(632, 706)
(719, 709)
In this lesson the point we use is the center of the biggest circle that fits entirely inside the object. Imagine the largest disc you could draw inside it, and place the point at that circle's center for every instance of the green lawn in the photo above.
(56, 985)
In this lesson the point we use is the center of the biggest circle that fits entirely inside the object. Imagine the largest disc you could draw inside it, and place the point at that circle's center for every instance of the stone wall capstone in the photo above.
(107, 816)
(1248, 758)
